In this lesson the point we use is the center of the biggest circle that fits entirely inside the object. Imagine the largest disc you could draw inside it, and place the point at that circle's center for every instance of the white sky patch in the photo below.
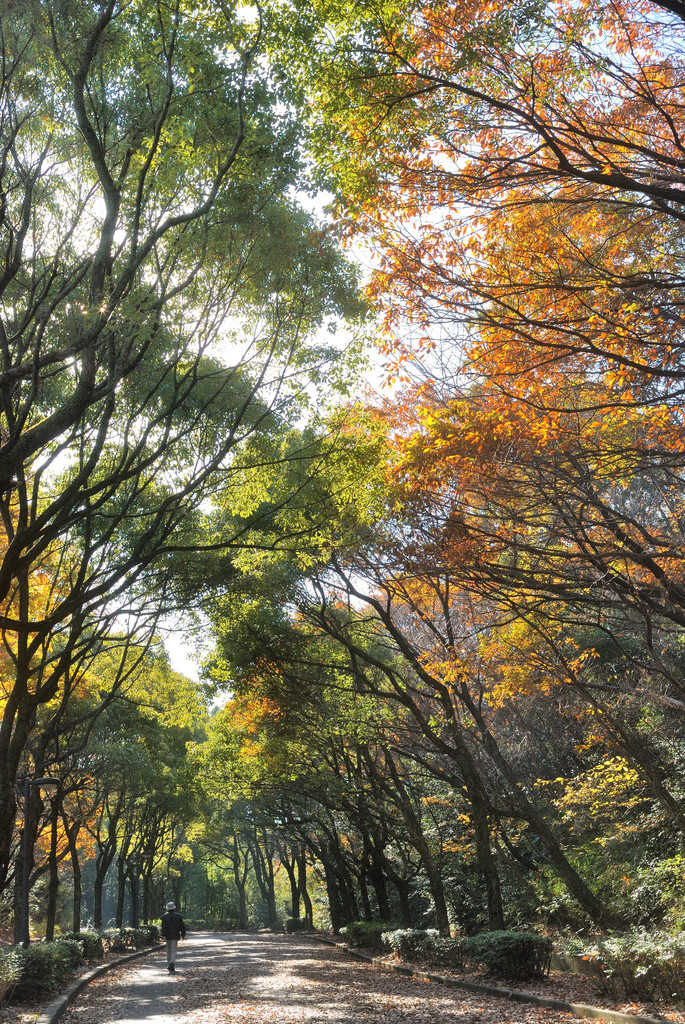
(183, 644)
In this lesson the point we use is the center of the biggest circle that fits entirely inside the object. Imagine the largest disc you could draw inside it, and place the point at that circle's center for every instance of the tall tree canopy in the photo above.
(158, 298)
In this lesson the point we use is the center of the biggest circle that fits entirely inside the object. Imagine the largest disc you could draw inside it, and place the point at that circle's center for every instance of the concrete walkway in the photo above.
(147, 992)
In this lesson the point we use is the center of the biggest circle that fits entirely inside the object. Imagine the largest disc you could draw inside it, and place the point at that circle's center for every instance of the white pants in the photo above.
(171, 945)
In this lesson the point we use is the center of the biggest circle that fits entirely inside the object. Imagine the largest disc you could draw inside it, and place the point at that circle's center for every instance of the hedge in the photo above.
(514, 956)
(124, 939)
(637, 964)
(91, 943)
(10, 971)
(45, 967)
(411, 943)
(504, 954)
(365, 934)
(294, 924)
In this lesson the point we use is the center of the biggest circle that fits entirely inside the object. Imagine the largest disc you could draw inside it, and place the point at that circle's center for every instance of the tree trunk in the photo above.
(102, 865)
(240, 879)
(348, 898)
(402, 886)
(289, 866)
(367, 911)
(479, 805)
(262, 861)
(377, 876)
(334, 904)
(121, 891)
(107, 849)
(596, 910)
(302, 886)
(134, 889)
(399, 797)
(146, 891)
(18, 897)
(72, 830)
(53, 884)
(78, 894)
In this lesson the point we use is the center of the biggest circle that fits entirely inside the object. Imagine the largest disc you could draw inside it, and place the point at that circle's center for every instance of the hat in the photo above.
(171, 906)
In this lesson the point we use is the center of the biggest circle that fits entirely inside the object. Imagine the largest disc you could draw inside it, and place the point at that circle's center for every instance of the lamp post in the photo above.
(51, 785)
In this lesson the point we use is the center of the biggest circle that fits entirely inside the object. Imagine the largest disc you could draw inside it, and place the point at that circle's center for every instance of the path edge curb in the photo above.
(579, 1009)
(54, 1010)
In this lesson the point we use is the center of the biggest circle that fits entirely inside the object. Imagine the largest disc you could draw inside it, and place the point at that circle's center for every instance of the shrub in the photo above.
(514, 956)
(637, 964)
(10, 971)
(90, 942)
(366, 934)
(45, 966)
(426, 944)
(119, 941)
(449, 953)
(152, 932)
(411, 943)
(73, 951)
(113, 940)
(135, 938)
(294, 924)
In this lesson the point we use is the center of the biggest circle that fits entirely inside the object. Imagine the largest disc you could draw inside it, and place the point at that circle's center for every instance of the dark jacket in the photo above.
(173, 926)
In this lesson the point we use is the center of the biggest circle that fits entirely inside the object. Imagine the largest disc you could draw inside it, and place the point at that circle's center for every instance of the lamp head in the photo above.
(50, 785)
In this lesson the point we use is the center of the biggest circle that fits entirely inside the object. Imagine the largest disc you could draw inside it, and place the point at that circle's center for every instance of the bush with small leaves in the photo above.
(73, 950)
(294, 924)
(411, 943)
(636, 964)
(514, 956)
(366, 934)
(10, 971)
(45, 967)
(448, 954)
(135, 938)
(91, 943)
(114, 940)
(121, 940)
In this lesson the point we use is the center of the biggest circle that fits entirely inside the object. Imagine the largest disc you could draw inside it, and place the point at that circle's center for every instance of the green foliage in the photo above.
(74, 951)
(655, 890)
(366, 934)
(120, 940)
(449, 954)
(294, 924)
(45, 967)
(514, 956)
(411, 943)
(91, 943)
(425, 944)
(136, 938)
(10, 971)
(637, 964)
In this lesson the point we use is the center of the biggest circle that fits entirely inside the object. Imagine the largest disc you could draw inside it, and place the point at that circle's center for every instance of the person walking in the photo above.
(173, 929)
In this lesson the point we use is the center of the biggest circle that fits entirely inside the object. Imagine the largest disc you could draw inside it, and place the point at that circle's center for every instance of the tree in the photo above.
(148, 328)
(515, 168)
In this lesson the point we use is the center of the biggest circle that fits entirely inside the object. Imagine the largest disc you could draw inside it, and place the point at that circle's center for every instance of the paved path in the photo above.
(272, 979)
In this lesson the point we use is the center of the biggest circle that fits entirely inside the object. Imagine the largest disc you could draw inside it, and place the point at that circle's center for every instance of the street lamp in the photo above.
(51, 786)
